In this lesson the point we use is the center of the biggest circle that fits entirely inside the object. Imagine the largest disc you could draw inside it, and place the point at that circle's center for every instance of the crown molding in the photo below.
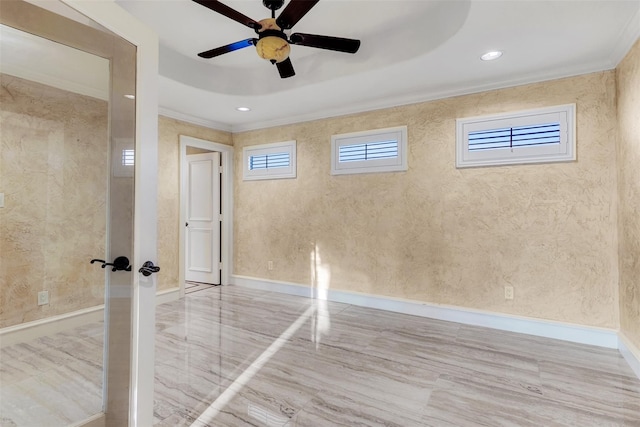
(58, 83)
(211, 124)
(629, 34)
(426, 96)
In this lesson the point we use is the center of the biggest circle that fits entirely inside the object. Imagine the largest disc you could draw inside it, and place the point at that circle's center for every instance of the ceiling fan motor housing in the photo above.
(272, 42)
(273, 4)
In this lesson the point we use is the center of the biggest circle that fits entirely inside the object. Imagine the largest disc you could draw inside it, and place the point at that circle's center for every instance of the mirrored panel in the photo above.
(66, 217)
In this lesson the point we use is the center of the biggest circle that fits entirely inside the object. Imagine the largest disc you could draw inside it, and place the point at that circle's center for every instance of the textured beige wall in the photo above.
(47, 181)
(169, 131)
(53, 171)
(628, 79)
(445, 235)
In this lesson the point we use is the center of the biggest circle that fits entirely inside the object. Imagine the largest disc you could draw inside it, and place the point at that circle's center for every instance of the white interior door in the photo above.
(202, 238)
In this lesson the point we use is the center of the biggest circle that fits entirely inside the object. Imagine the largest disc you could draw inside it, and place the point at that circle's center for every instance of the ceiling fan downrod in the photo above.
(273, 5)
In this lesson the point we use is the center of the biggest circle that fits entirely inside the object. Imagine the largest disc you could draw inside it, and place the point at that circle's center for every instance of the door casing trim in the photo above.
(226, 236)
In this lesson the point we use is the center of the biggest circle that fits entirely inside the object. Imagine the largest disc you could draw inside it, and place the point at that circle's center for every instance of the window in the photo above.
(381, 150)
(123, 160)
(534, 136)
(270, 161)
(128, 157)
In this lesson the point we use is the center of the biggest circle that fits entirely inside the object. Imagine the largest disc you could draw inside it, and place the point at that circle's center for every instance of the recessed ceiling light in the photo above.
(243, 108)
(130, 96)
(490, 56)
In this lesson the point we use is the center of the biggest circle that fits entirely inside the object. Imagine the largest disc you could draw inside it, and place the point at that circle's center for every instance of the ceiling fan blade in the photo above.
(326, 42)
(225, 10)
(294, 12)
(285, 68)
(226, 49)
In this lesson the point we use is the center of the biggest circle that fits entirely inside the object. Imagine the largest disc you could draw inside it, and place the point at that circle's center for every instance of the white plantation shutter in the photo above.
(381, 150)
(534, 136)
(270, 161)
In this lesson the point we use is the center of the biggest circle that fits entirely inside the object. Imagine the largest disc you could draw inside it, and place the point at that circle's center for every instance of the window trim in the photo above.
(564, 152)
(265, 149)
(397, 164)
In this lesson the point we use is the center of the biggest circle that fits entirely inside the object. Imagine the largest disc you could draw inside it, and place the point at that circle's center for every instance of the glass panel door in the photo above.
(66, 217)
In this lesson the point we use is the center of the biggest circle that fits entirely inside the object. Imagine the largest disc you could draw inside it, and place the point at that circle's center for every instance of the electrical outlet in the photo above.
(43, 297)
(508, 292)
(270, 265)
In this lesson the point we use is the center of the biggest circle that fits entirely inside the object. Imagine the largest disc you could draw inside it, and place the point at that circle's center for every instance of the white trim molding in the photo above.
(73, 71)
(600, 337)
(226, 236)
(52, 325)
(288, 288)
(167, 295)
(98, 420)
(630, 352)
(176, 115)
(629, 35)
(418, 97)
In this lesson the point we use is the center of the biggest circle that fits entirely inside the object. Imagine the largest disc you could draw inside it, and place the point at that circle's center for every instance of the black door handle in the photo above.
(148, 268)
(119, 264)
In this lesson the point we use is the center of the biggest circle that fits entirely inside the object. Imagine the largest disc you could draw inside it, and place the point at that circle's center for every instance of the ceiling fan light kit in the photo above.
(272, 43)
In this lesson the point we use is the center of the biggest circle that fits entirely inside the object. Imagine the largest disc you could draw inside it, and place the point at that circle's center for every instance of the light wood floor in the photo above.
(190, 287)
(228, 356)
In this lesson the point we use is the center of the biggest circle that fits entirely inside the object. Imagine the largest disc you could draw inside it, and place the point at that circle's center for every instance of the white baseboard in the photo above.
(630, 352)
(288, 288)
(98, 420)
(600, 337)
(167, 295)
(51, 325)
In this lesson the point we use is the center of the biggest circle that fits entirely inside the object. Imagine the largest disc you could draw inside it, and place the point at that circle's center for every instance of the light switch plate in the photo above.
(1, 200)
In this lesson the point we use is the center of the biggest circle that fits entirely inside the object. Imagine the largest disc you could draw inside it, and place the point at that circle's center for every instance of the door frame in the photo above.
(226, 235)
(136, 399)
(120, 22)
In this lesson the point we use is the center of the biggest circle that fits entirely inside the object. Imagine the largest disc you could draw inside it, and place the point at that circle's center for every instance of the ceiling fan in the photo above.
(272, 42)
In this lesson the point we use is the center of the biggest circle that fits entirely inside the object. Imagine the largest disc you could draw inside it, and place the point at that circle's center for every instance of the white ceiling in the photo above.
(411, 51)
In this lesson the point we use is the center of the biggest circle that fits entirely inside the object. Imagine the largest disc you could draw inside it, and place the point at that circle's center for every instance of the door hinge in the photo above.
(220, 217)
(220, 266)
